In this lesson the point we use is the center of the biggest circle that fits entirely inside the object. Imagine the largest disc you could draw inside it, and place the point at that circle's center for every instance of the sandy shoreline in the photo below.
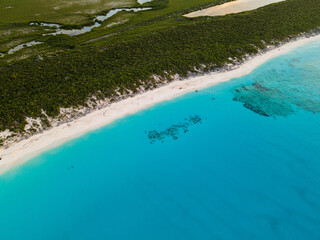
(22, 151)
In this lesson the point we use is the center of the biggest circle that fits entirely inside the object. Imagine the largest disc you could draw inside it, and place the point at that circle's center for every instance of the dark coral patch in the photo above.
(174, 130)
(264, 101)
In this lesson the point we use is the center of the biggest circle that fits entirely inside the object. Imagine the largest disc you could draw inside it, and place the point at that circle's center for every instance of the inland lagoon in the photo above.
(239, 160)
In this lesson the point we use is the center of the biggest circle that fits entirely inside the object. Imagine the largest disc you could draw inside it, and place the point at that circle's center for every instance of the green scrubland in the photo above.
(66, 71)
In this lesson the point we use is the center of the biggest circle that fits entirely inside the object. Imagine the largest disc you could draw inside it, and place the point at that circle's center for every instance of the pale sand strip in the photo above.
(232, 7)
(20, 152)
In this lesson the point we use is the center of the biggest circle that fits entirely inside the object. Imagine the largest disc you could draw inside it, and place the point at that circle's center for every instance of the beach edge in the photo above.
(20, 152)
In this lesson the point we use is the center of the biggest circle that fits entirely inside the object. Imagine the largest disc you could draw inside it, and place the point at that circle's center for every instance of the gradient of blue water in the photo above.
(238, 175)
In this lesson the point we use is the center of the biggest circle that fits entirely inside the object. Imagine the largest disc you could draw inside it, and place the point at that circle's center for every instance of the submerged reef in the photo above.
(174, 130)
(282, 92)
(264, 101)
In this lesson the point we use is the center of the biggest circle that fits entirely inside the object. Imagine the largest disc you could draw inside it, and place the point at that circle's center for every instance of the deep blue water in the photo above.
(244, 165)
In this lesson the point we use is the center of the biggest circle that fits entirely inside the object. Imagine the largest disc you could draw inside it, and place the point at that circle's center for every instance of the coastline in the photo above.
(22, 151)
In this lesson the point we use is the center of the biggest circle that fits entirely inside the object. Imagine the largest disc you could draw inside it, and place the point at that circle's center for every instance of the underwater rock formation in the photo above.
(174, 130)
(264, 101)
(282, 92)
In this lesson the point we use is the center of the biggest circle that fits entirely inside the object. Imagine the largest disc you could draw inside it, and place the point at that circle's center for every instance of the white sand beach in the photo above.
(24, 150)
(232, 7)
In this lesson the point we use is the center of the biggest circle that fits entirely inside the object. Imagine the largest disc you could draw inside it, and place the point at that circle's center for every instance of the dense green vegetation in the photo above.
(172, 44)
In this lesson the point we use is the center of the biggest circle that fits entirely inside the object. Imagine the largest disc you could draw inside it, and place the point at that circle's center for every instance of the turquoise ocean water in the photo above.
(240, 160)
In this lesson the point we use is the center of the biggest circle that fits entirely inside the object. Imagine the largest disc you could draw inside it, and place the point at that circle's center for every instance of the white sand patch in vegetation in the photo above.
(5, 134)
(232, 7)
(33, 124)
(116, 4)
(113, 24)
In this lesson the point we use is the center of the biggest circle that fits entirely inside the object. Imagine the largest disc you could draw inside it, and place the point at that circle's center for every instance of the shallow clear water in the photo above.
(72, 32)
(21, 46)
(208, 165)
(144, 1)
(96, 22)
(115, 11)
